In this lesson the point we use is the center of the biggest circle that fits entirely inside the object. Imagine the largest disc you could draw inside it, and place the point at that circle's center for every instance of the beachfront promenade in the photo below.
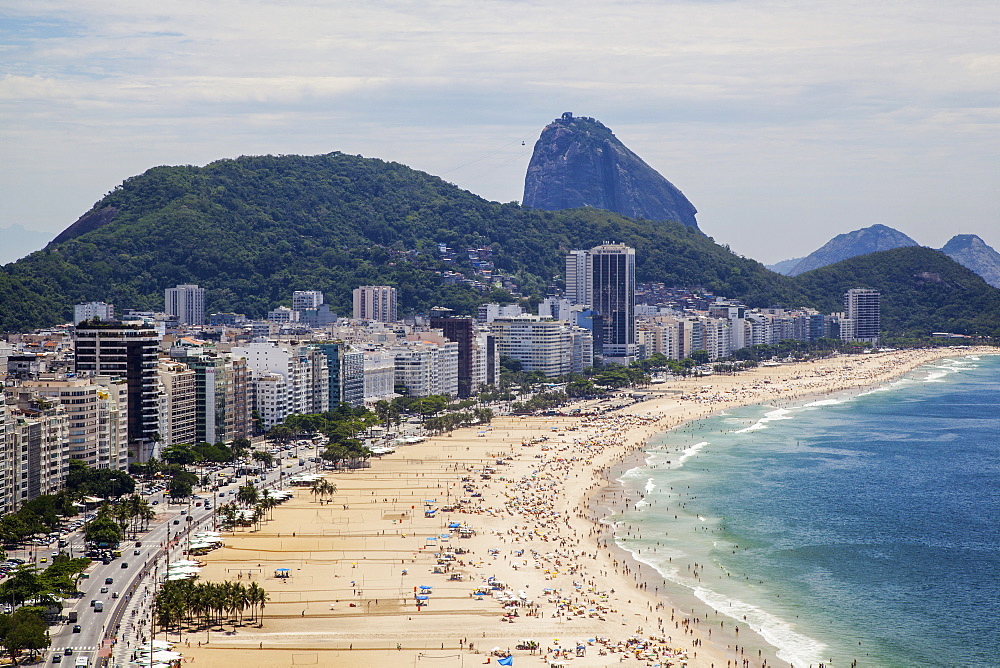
(493, 536)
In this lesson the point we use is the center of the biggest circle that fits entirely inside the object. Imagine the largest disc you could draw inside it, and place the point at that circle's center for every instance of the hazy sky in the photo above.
(785, 123)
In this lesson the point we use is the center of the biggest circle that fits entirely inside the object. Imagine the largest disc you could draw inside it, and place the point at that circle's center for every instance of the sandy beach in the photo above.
(513, 549)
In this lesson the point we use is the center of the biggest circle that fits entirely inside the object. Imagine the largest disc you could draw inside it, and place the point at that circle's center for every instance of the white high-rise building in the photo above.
(375, 302)
(427, 368)
(187, 302)
(97, 410)
(380, 375)
(306, 299)
(92, 310)
(576, 277)
(284, 380)
(552, 347)
(178, 403)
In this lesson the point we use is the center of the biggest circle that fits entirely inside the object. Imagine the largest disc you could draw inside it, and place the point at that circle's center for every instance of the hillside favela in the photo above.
(303, 407)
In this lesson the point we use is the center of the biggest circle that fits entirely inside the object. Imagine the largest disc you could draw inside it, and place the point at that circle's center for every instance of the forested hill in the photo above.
(254, 229)
(923, 290)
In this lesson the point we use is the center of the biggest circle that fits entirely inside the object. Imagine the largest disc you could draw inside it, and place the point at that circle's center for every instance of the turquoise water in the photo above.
(857, 527)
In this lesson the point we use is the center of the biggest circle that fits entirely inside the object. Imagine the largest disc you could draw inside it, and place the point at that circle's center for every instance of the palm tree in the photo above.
(327, 488)
(247, 495)
(260, 598)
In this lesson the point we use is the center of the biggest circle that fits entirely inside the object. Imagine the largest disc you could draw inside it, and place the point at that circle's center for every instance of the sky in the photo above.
(785, 123)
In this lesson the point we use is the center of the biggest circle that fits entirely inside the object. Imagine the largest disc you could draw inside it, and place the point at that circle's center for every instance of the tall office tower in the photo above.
(90, 310)
(375, 302)
(128, 352)
(861, 307)
(462, 331)
(187, 302)
(306, 299)
(611, 292)
(576, 277)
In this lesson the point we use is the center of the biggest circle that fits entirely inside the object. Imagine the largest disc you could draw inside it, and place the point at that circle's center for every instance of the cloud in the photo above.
(785, 122)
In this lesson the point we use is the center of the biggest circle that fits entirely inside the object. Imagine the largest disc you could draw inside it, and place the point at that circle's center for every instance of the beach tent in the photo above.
(283, 572)
(422, 598)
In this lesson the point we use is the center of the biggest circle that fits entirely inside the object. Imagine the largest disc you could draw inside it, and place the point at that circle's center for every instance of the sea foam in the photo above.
(770, 416)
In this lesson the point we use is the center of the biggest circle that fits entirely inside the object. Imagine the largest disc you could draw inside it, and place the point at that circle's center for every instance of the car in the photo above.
(114, 594)
(177, 521)
(109, 581)
(104, 590)
(44, 560)
(124, 564)
(57, 658)
(189, 518)
(55, 553)
(106, 560)
(69, 650)
(76, 629)
(136, 552)
(156, 503)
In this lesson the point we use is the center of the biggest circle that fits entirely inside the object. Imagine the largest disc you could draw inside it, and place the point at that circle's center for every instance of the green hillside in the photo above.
(923, 290)
(254, 229)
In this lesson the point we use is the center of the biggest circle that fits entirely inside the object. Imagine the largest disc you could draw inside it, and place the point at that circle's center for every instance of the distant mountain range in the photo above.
(859, 242)
(253, 229)
(577, 161)
(967, 249)
(785, 266)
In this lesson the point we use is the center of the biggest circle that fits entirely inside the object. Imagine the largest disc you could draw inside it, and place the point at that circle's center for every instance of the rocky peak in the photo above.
(859, 242)
(973, 253)
(577, 161)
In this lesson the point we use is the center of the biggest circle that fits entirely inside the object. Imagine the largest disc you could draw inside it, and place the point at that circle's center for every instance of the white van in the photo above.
(82, 662)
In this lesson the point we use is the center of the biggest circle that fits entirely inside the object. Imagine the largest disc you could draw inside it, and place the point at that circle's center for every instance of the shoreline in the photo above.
(373, 532)
(611, 499)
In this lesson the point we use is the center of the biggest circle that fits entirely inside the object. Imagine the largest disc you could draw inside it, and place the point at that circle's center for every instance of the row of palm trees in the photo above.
(132, 514)
(188, 603)
(247, 497)
(322, 489)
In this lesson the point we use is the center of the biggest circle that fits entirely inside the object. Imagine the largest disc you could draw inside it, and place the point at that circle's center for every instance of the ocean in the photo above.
(857, 527)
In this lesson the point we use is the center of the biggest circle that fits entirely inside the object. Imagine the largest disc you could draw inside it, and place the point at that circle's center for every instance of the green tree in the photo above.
(247, 495)
(102, 530)
(265, 458)
(180, 488)
(23, 630)
(240, 447)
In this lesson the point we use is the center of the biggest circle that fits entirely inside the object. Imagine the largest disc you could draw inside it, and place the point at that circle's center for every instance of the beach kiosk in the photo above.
(282, 572)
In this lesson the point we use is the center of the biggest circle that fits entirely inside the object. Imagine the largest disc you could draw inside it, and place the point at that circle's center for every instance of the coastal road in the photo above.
(165, 541)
